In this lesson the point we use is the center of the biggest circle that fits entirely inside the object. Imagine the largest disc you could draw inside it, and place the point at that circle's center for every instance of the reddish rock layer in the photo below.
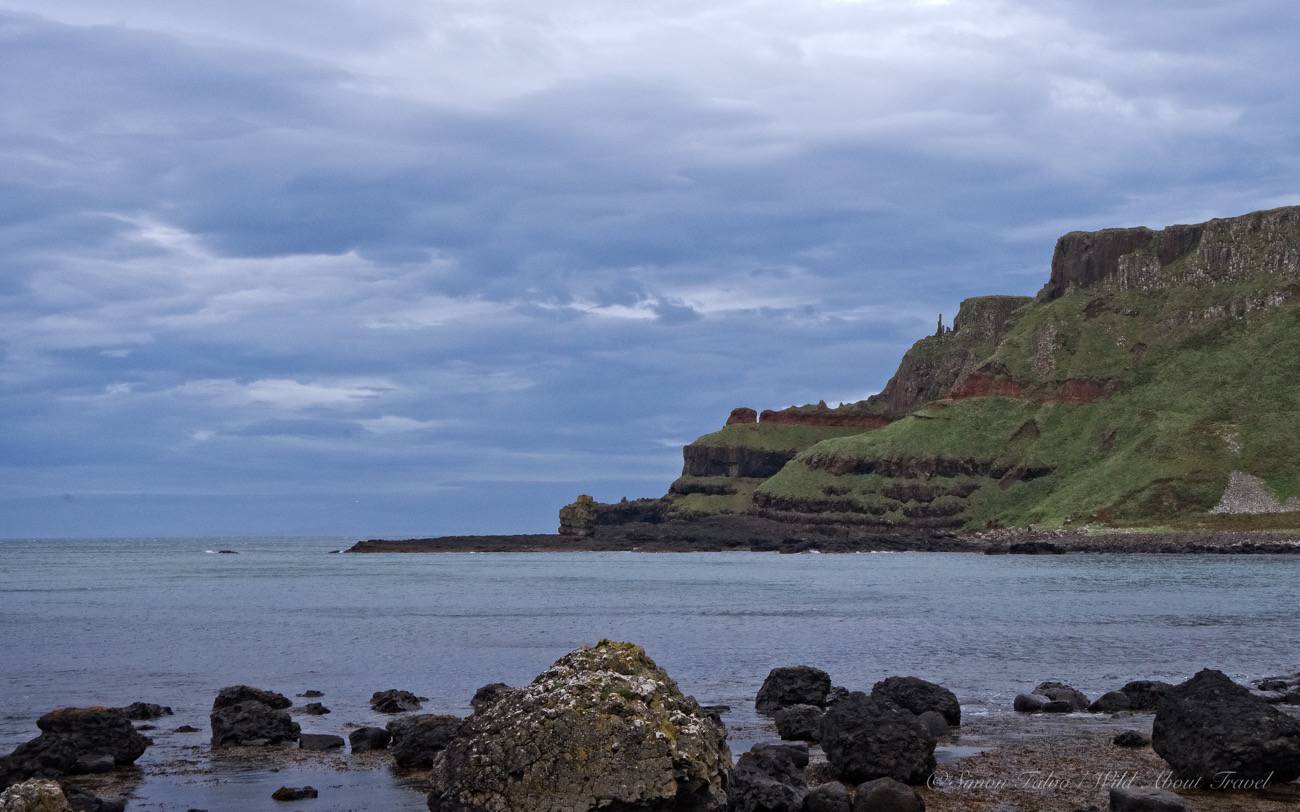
(829, 417)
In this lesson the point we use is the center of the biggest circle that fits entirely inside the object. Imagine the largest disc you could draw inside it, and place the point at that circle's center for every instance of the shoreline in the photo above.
(755, 535)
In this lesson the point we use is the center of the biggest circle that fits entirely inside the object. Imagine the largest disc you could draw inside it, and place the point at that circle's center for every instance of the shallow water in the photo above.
(114, 621)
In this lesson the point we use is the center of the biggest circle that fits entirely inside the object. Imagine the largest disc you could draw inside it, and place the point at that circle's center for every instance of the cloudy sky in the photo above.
(368, 267)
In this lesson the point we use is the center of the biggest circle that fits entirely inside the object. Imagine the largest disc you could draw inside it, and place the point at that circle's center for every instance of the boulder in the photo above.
(311, 693)
(187, 729)
(603, 727)
(1210, 725)
(394, 701)
(416, 739)
(1061, 692)
(73, 740)
(1111, 702)
(251, 723)
(139, 711)
(1145, 799)
(934, 723)
(319, 742)
(34, 795)
(83, 800)
(365, 739)
(1145, 694)
(867, 737)
(1058, 706)
(93, 763)
(887, 795)
(488, 694)
(315, 709)
(792, 685)
(294, 793)
(1030, 703)
(1131, 738)
(799, 722)
(919, 696)
(831, 796)
(234, 694)
(769, 778)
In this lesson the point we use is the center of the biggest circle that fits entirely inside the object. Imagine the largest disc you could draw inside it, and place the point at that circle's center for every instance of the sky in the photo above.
(355, 269)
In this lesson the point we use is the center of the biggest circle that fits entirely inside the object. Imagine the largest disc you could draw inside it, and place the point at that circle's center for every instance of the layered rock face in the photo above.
(602, 728)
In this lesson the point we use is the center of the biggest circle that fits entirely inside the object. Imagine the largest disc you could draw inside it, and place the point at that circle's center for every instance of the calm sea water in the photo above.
(115, 621)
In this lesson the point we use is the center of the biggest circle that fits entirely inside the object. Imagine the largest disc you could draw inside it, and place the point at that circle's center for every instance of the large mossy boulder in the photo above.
(869, 737)
(74, 741)
(1210, 726)
(602, 728)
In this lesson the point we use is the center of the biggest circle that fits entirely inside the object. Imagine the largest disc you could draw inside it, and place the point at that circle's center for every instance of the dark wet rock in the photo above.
(394, 701)
(715, 712)
(365, 739)
(487, 695)
(1061, 692)
(831, 796)
(1210, 725)
(1032, 548)
(799, 722)
(934, 723)
(417, 739)
(319, 742)
(887, 795)
(146, 727)
(1145, 799)
(93, 763)
(311, 693)
(251, 723)
(1058, 706)
(602, 727)
(1131, 738)
(139, 711)
(1111, 702)
(1030, 703)
(34, 795)
(187, 729)
(235, 694)
(83, 800)
(227, 552)
(769, 778)
(868, 737)
(315, 709)
(294, 793)
(919, 696)
(835, 694)
(72, 739)
(1145, 694)
(792, 685)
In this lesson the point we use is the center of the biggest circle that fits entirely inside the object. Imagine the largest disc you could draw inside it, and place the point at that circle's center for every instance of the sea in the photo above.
(171, 621)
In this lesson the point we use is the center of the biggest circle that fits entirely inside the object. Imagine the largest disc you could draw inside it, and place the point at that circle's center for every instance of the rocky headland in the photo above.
(1144, 400)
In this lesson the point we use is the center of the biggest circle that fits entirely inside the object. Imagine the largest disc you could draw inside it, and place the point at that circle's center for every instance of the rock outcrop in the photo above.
(919, 696)
(244, 716)
(34, 795)
(603, 727)
(417, 739)
(394, 700)
(792, 685)
(769, 778)
(867, 737)
(1209, 726)
(75, 741)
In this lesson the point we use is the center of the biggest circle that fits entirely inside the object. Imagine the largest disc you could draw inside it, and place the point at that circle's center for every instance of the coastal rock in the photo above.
(72, 739)
(319, 742)
(315, 709)
(487, 695)
(187, 729)
(366, 739)
(1061, 692)
(831, 796)
(417, 739)
(1111, 702)
(139, 711)
(769, 778)
(235, 694)
(1030, 703)
(250, 722)
(93, 763)
(1131, 738)
(799, 722)
(792, 685)
(603, 727)
(1210, 725)
(742, 414)
(34, 795)
(919, 696)
(578, 519)
(934, 723)
(82, 800)
(887, 795)
(1145, 799)
(867, 737)
(294, 793)
(1144, 694)
(394, 701)
(311, 693)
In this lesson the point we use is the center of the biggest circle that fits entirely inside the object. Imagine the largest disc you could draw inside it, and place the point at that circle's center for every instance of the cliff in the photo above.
(1153, 380)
